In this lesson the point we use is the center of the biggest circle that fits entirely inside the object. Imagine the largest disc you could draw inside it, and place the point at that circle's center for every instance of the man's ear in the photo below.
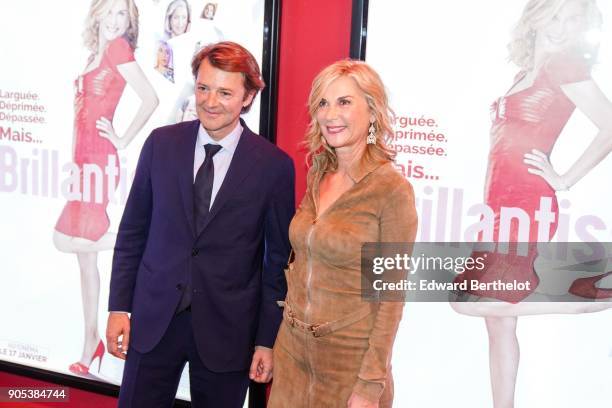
(248, 98)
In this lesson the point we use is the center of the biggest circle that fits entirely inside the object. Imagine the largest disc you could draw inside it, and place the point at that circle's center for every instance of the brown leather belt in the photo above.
(322, 329)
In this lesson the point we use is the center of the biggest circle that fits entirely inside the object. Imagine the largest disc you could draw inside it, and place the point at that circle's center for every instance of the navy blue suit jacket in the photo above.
(235, 264)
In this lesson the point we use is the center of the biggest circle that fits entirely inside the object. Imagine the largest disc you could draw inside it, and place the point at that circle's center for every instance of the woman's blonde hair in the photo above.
(170, 11)
(536, 12)
(92, 23)
(321, 157)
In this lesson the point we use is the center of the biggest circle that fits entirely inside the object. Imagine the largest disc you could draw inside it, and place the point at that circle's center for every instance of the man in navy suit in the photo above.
(201, 248)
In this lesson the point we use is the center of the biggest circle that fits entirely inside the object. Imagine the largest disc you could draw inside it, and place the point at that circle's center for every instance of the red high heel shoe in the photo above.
(82, 369)
(585, 287)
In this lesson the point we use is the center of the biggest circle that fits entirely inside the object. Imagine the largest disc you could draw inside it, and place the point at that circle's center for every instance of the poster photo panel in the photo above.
(502, 121)
(87, 82)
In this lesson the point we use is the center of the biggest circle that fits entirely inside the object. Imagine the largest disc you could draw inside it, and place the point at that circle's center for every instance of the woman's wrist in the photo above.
(372, 391)
(563, 184)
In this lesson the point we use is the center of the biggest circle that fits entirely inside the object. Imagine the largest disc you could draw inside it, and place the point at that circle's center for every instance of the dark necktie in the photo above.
(202, 191)
(202, 188)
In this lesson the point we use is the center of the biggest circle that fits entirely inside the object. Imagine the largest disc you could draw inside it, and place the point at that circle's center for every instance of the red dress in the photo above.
(97, 95)
(532, 118)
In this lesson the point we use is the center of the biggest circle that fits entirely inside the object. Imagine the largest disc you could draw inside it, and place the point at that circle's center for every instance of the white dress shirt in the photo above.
(221, 160)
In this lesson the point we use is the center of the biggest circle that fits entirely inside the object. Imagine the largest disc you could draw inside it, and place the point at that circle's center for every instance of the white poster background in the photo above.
(43, 53)
(447, 60)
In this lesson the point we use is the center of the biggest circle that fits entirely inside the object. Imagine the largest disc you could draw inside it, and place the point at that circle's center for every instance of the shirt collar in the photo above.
(228, 143)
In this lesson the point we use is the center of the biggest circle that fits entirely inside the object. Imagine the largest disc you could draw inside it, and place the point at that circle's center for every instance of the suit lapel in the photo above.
(186, 158)
(245, 156)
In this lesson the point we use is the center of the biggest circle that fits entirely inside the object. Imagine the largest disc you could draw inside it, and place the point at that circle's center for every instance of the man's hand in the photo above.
(261, 367)
(118, 326)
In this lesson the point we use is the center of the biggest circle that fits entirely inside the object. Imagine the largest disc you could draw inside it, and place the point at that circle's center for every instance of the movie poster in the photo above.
(83, 84)
(503, 115)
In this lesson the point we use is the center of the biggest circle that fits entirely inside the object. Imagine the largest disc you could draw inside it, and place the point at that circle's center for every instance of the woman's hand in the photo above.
(540, 166)
(107, 131)
(357, 401)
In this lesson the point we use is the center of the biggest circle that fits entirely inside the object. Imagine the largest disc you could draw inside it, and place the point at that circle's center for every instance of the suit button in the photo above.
(179, 287)
(195, 251)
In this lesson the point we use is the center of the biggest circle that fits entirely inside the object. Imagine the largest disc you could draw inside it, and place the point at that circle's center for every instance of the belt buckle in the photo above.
(312, 328)
(291, 317)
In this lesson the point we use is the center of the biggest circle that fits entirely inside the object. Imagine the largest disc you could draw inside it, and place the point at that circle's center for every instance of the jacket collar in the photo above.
(359, 170)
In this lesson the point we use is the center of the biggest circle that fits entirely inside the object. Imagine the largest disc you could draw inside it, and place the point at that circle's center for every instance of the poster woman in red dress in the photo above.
(82, 228)
(551, 47)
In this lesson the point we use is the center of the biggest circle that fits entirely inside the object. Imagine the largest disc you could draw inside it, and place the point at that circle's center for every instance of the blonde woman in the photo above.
(550, 46)
(334, 349)
(82, 228)
(178, 18)
(165, 64)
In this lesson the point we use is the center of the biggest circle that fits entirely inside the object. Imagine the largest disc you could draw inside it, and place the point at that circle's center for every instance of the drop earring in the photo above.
(371, 139)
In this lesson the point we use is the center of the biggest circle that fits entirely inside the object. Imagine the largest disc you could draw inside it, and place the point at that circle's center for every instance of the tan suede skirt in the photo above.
(321, 371)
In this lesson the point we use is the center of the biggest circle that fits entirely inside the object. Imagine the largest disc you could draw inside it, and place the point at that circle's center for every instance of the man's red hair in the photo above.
(231, 57)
